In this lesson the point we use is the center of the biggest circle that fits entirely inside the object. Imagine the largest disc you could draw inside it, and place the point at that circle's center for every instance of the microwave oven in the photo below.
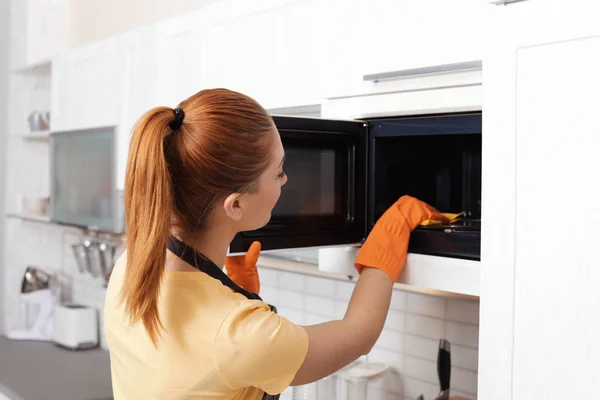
(344, 174)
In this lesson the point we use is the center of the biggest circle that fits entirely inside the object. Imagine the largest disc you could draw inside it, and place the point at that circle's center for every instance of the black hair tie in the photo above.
(176, 123)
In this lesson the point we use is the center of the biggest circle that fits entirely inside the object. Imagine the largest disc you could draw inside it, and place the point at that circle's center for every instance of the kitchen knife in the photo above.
(443, 369)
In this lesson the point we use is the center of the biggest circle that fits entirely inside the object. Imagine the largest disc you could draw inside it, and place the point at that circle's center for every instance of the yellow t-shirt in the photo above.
(216, 344)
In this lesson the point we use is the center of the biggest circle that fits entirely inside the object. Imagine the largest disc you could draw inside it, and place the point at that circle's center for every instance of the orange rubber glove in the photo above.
(242, 269)
(386, 246)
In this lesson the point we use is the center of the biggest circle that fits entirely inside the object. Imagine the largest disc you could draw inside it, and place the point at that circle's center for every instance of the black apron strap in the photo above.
(198, 261)
(202, 263)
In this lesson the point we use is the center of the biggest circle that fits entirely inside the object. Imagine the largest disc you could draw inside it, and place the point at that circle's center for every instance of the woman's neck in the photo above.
(212, 244)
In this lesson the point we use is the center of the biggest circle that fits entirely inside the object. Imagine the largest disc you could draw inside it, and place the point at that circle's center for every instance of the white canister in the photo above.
(338, 260)
(368, 381)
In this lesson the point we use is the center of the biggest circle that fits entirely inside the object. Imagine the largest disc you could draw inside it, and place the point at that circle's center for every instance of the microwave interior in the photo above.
(436, 159)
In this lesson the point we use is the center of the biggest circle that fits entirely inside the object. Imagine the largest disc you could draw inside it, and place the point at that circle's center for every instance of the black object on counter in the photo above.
(443, 368)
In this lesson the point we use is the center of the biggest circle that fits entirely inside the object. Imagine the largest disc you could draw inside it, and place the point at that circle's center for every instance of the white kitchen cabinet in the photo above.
(138, 60)
(87, 87)
(59, 90)
(267, 52)
(367, 37)
(98, 88)
(540, 272)
(179, 58)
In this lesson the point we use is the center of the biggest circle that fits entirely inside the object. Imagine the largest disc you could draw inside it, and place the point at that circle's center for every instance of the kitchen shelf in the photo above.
(39, 136)
(435, 276)
(43, 66)
(31, 218)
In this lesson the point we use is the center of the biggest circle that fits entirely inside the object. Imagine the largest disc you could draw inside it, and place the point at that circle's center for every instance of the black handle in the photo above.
(443, 364)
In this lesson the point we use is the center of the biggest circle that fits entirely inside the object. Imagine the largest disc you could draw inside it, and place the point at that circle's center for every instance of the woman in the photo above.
(177, 327)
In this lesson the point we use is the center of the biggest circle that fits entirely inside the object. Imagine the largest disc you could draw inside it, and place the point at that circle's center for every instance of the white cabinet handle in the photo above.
(435, 69)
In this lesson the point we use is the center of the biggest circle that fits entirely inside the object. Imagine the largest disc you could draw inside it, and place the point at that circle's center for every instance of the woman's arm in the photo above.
(335, 344)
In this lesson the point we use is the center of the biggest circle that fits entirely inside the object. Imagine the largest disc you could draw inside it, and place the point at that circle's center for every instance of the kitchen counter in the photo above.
(43, 371)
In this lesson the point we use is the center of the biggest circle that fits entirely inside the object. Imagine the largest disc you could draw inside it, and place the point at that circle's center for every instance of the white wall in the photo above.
(92, 20)
(4, 52)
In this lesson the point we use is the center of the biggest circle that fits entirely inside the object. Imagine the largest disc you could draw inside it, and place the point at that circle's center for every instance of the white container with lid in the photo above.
(367, 381)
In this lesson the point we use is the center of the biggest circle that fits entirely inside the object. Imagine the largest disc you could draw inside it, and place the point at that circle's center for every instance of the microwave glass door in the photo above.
(324, 200)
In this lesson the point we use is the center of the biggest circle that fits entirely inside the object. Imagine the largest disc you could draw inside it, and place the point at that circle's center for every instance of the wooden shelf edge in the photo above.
(435, 276)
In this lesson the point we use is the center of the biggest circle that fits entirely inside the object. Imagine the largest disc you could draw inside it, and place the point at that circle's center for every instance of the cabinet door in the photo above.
(59, 93)
(268, 54)
(139, 90)
(540, 272)
(100, 90)
(366, 37)
(179, 59)
(91, 87)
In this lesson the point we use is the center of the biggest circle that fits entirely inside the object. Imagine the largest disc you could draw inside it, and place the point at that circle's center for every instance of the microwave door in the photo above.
(324, 200)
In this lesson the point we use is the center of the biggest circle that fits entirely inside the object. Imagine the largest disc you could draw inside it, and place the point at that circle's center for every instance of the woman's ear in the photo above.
(232, 206)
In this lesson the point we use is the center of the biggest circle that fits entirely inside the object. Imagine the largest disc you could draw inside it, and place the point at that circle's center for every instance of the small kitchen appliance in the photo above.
(75, 327)
(37, 288)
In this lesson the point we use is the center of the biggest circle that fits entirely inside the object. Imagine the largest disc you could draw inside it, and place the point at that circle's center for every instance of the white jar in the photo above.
(368, 381)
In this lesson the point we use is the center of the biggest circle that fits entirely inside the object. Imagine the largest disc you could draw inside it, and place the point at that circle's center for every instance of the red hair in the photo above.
(176, 177)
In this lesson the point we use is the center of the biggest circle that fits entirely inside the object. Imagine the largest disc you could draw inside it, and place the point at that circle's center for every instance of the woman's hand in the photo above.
(242, 269)
(386, 246)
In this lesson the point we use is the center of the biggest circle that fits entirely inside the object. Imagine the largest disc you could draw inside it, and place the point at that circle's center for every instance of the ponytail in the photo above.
(148, 202)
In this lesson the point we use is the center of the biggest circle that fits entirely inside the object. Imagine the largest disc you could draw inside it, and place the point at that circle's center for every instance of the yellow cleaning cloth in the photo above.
(452, 217)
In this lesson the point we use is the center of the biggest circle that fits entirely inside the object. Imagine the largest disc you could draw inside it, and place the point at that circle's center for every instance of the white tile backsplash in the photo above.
(464, 380)
(464, 357)
(463, 311)
(390, 341)
(319, 286)
(340, 309)
(269, 294)
(296, 316)
(420, 368)
(291, 281)
(421, 347)
(268, 277)
(424, 326)
(343, 290)
(467, 335)
(289, 299)
(320, 305)
(394, 321)
(425, 305)
(315, 319)
(398, 302)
